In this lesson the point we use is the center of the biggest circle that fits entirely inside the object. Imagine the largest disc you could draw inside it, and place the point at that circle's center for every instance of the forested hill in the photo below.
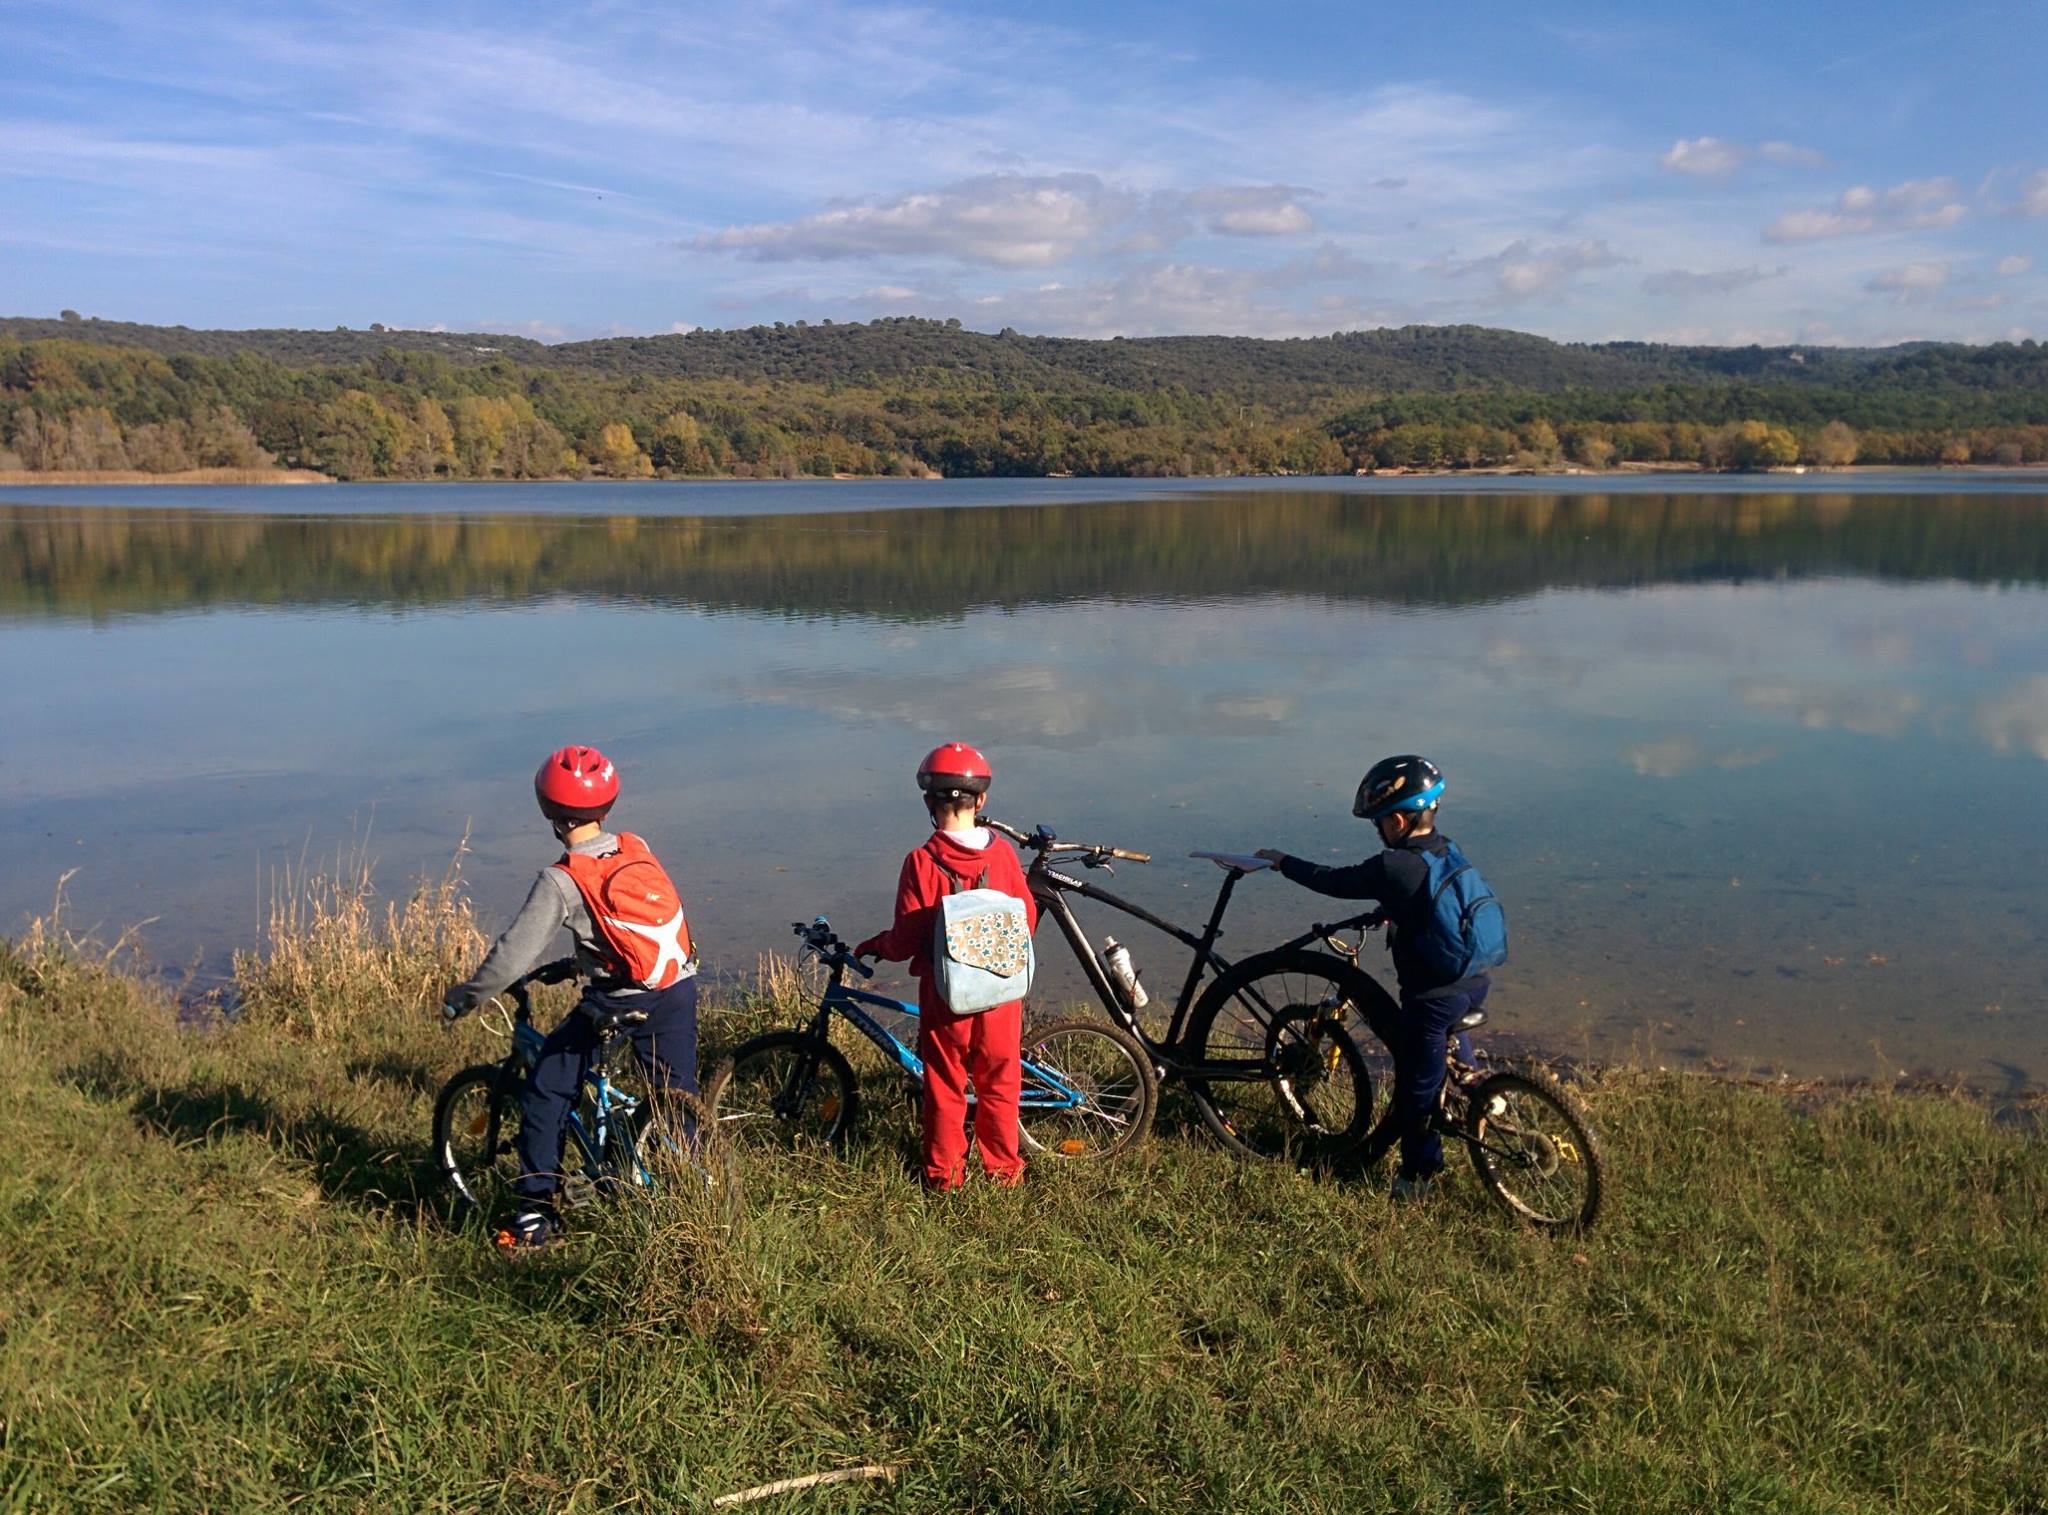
(1409, 359)
(907, 396)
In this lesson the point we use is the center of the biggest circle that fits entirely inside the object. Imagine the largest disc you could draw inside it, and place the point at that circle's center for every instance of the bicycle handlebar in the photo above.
(1043, 841)
(832, 952)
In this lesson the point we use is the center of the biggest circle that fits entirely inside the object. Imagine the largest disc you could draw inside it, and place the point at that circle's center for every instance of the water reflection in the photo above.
(1436, 549)
(1734, 760)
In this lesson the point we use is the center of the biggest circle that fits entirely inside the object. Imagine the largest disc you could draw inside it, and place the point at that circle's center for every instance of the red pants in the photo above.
(985, 1048)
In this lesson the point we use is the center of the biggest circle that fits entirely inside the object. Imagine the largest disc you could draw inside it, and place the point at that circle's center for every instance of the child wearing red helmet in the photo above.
(634, 951)
(985, 1048)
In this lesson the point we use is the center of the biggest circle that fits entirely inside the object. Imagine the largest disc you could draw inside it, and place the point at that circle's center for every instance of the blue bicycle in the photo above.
(623, 1135)
(1088, 1089)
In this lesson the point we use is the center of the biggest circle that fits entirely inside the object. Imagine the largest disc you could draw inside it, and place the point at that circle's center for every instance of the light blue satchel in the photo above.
(982, 955)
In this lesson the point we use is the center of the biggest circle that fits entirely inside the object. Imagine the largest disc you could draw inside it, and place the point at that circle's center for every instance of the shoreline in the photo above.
(105, 477)
(214, 477)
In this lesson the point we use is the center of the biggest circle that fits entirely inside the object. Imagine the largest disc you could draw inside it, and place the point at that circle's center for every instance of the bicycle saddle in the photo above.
(619, 1020)
(1234, 862)
(1469, 1020)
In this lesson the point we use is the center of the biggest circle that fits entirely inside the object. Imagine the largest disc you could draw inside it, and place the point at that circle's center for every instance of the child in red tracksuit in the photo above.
(986, 1047)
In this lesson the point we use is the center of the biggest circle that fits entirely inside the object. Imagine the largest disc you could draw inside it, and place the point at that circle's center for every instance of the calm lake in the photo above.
(1757, 768)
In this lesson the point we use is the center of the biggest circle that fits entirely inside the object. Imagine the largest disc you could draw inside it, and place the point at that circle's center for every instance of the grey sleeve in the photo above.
(524, 945)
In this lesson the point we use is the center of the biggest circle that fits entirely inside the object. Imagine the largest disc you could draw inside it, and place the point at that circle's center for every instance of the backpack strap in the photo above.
(1450, 878)
(953, 883)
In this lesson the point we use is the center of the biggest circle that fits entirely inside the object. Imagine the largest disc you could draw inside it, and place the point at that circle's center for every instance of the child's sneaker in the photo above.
(1413, 1188)
(530, 1230)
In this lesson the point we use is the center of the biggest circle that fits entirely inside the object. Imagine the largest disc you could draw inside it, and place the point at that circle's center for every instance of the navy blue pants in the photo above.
(1416, 1034)
(666, 1042)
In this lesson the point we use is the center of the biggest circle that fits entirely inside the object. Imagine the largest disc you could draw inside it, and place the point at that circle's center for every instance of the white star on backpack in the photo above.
(668, 941)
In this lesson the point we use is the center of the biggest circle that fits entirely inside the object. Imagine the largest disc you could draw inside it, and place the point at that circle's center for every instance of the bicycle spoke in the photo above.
(1284, 1076)
(1533, 1151)
(1087, 1091)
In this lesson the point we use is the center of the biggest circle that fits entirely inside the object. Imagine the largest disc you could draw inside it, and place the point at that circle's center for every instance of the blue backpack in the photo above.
(1465, 931)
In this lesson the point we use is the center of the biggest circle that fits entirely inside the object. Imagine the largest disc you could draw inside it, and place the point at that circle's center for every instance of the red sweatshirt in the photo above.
(923, 884)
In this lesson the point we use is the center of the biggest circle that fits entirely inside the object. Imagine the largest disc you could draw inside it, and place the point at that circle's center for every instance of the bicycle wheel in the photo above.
(1281, 1075)
(1533, 1149)
(476, 1123)
(673, 1146)
(786, 1089)
(1088, 1091)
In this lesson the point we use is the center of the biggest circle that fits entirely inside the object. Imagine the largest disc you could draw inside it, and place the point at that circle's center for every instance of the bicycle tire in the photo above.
(1318, 1068)
(476, 1123)
(676, 1142)
(1492, 1135)
(1102, 1067)
(786, 1089)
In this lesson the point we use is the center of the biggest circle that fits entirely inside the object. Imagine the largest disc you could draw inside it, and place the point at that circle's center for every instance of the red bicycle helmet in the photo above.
(576, 784)
(954, 768)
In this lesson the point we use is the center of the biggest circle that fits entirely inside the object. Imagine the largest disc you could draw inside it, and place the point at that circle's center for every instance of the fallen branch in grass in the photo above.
(808, 1481)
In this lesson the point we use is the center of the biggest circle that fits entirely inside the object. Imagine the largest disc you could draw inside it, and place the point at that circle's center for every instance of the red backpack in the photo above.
(636, 910)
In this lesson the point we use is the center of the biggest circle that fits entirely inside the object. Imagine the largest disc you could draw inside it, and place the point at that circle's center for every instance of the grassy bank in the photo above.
(229, 1283)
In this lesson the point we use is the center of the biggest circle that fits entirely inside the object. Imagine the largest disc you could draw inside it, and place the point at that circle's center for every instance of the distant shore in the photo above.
(10, 478)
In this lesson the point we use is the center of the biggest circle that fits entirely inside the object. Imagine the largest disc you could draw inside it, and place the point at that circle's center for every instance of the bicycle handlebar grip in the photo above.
(560, 971)
(858, 966)
(1009, 831)
(1130, 857)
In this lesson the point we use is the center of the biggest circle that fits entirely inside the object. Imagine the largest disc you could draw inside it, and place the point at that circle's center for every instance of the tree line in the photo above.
(411, 413)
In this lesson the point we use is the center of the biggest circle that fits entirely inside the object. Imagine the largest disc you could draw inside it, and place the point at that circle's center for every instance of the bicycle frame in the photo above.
(607, 1100)
(1042, 1088)
(1050, 887)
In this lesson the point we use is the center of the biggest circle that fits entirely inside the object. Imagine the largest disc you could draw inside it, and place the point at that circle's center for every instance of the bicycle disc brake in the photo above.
(1301, 1054)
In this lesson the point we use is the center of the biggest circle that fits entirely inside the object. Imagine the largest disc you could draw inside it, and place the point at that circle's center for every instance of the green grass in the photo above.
(228, 1282)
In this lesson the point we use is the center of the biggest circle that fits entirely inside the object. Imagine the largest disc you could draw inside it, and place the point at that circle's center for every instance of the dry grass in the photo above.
(334, 953)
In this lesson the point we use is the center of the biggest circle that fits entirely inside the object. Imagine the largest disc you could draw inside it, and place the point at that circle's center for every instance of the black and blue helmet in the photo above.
(1408, 782)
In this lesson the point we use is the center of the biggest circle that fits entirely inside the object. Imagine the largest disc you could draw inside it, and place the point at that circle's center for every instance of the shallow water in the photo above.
(1758, 770)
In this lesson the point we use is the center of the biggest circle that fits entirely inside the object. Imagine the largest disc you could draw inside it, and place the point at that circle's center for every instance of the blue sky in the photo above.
(1800, 172)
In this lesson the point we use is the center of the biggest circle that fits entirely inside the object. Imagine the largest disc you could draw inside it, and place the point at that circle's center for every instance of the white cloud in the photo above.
(1916, 205)
(1792, 155)
(1716, 158)
(1703, 155)
(2012, 265)
(1522, 268)
(1008, 220)
(1911, 281)
(1251, 210)
(2034, 195)
(1011, 220)
(1682, 282)
(1161, 297)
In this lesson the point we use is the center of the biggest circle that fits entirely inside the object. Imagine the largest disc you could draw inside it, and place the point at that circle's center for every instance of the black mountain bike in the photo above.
(1260, 1045)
